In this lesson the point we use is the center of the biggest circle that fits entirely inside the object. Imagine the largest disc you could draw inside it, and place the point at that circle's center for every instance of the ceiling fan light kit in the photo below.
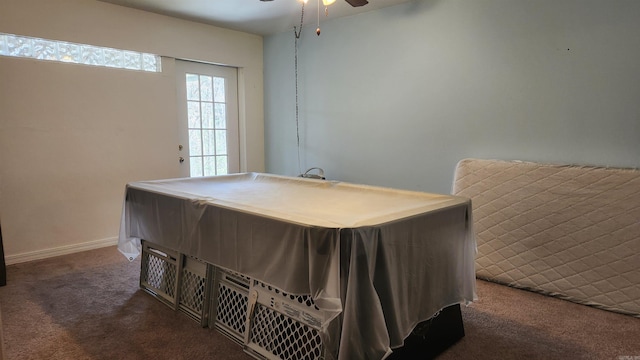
(326, 3)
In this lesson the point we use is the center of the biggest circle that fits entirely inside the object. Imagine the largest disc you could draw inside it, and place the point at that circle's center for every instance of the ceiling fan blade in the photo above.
(356, 3)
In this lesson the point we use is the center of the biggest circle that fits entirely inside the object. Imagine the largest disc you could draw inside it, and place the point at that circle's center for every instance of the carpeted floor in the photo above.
(88, 306)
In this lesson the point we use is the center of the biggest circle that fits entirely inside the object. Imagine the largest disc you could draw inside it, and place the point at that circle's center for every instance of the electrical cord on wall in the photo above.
(297, 34)
(307, 174)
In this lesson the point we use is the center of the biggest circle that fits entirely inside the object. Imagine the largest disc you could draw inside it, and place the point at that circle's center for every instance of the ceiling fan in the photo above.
(354, 3)
(326, 3)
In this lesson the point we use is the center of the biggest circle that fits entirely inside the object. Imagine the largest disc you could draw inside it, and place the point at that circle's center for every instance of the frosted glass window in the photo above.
(206, 111)
(132, 60)
(44, 49)
(68, 52)
(19, 46)
(150, 62)
(113, 58)
(3, 44)
(92, 55)
(61, 51)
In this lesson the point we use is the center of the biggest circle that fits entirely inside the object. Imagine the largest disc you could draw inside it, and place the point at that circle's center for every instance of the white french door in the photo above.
(208, 119)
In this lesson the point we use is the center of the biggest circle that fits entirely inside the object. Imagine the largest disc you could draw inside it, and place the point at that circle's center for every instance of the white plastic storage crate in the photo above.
(159, 272)
(229, 304)
(283, 326)
(195, 281)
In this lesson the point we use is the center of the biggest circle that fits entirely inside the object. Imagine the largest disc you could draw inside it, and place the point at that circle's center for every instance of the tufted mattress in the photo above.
(567, 231)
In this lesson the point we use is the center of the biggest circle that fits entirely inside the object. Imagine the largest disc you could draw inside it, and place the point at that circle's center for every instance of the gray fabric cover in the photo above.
(375, 260)
(568, 231)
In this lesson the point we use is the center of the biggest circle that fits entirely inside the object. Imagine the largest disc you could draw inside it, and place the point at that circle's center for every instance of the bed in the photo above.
(562, 230)
(375, 261)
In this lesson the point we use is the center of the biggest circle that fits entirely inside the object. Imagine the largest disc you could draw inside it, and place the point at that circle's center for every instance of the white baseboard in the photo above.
(61, 250)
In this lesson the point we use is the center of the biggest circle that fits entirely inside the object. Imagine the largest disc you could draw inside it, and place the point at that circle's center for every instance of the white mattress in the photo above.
(568, 231)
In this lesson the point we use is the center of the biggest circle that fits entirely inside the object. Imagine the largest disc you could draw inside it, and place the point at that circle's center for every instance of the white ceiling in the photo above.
(253, 16)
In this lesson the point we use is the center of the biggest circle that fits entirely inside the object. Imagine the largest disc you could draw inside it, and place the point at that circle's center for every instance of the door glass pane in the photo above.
(221, 165)
(195, 143)
(195, 163)
(207, 115)
(221, 116)
(209, 165)
(193, 87)
(208, 143)
(193, 114)
(206, 88)
(221, 142)
(218, 89)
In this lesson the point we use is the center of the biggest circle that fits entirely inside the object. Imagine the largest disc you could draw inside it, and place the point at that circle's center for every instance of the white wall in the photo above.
(397, 96)
(72, 136)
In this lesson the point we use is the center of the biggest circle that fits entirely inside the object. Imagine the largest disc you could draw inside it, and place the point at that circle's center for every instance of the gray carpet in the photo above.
(88, 306)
